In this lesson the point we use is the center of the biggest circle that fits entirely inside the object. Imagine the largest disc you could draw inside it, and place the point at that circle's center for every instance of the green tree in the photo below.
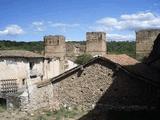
(82, 59)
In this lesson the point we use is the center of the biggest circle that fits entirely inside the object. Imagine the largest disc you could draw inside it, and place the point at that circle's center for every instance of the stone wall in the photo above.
(55, 46)
(96, 43)
(19, 69)
(97, 84)
(37, 98)
(74, 49)
(144, 42)
(101, 84)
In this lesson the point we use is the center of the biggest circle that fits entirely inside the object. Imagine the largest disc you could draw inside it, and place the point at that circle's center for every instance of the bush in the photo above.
(82, 59)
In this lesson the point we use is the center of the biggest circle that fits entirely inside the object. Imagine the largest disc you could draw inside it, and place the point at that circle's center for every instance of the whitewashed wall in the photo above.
(18, 68)
(51, 68)
(71, 65)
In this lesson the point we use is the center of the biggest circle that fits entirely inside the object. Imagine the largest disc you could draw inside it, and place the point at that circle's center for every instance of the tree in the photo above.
(82, 59)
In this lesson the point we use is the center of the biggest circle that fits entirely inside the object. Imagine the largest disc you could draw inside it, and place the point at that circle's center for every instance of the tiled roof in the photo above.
(135, 67)
(19, 53)
(121, 59)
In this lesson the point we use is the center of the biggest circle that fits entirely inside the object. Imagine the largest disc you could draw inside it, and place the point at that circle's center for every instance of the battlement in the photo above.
(54, 40)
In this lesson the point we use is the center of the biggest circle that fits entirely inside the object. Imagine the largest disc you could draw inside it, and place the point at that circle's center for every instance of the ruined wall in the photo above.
(75, 49)
(34, 98)
(55, 46)
(51, 68)
(99, 84)
(18, 69)
(96, 43)
(144, 42)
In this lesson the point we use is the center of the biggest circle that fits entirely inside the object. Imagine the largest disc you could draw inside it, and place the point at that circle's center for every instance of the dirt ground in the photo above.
(62, 114)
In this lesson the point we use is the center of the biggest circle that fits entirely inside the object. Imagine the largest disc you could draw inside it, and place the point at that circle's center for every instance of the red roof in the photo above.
(121, 59)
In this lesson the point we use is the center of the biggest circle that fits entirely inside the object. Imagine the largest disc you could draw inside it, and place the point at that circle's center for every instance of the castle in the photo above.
(115, 81)
(96, 44)
(56, 46)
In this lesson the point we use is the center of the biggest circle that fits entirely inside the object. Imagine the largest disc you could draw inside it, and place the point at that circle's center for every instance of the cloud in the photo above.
(63, 26)
(38, 26)
(100, 28)
(41, 26)
(139, 16)
(142, 20)
(119, 37)
(12, 30)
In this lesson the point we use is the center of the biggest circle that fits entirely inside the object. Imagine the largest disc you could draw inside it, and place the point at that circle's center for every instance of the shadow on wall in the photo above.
(155, 53)
(153, 59)
(144, 93)
(128, 98)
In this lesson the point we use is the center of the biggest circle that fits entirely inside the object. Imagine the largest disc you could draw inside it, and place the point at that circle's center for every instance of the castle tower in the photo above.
(144, 42)
(55, 46)
(96, 43)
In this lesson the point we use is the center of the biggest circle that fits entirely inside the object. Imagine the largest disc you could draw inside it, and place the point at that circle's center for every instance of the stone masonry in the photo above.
(144, 42)
(96, 84)
(96, 43)
(55, 46)
(74, 49)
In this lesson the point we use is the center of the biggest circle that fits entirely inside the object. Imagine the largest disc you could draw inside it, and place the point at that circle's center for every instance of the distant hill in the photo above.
(124, 47)
(13, 45)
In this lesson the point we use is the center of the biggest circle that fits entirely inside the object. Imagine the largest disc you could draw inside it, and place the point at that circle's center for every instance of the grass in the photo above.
(65, 113)
(2, 108)
(61, 114)
(41, 118)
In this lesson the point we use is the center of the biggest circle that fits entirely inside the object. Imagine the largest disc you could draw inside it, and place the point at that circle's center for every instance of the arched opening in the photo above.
(3, 103)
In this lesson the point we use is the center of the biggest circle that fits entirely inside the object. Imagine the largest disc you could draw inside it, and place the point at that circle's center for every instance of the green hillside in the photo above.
(124, 47)
(13, 45)
(113, 47)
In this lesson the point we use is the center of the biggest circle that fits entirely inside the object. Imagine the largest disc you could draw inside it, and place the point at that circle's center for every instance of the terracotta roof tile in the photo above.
(121, 59)
(19, 53)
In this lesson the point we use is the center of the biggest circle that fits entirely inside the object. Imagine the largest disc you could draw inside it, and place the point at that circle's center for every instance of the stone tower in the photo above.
(55, 46)
(96, 43)
(144, 42)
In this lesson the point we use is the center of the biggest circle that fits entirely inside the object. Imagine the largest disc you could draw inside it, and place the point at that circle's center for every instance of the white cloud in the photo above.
(138, 16)
(39, 26)
(108, 21)
(63, 26)
(12, 30)
(119, 37)
(142, 20)
(37, 23)
(100, 28)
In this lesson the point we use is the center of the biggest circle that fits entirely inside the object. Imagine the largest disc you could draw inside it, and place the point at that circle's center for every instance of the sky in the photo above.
(30, 20)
